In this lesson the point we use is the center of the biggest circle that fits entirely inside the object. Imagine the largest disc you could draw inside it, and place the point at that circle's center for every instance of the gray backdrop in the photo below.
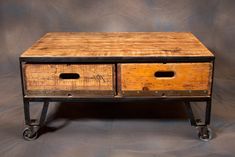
(113, 129)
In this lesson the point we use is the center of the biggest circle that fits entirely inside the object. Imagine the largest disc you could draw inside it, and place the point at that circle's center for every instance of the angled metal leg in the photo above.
(43, 113)
(204, 132)
(190, 114)
(31, 130)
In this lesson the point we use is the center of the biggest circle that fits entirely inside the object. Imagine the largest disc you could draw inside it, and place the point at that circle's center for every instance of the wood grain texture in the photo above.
(187, 77)
(116, 44)
(44, 79)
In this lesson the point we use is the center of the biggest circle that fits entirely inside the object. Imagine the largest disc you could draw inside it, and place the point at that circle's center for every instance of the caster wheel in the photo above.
(29, 134)
(204, 133)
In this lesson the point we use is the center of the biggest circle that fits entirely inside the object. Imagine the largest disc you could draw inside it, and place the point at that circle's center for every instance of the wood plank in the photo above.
(116, 44)
(187, 77)
(44, 79)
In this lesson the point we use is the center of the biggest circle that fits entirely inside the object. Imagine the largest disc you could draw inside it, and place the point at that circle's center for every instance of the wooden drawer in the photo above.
(69, 79)
(171, 79)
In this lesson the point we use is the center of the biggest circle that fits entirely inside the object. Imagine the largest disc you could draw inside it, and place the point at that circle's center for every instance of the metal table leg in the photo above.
(30, 132)
(204, 131)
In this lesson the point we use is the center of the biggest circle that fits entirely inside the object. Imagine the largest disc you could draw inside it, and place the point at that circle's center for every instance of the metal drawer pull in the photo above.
(69, 76)
(162, 74)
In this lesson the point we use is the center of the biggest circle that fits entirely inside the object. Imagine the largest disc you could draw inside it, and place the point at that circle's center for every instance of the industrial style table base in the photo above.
(32, 127)
(82, 67)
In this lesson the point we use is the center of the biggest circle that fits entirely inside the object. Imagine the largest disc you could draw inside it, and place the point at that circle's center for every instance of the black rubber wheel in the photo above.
(204, 133)
(29, 134)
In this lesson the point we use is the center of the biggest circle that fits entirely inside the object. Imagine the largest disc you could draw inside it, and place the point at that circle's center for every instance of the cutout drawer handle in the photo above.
(164, 74)
(69, 76)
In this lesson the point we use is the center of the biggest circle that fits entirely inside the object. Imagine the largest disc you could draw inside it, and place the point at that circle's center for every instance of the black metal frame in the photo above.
(118, 59)
(197, 122)
(113, 60)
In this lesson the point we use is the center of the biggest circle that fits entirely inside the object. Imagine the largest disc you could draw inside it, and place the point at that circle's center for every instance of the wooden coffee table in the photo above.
(69, 66)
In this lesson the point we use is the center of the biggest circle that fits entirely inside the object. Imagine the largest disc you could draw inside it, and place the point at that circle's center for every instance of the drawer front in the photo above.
(171, 79)
(69, 79)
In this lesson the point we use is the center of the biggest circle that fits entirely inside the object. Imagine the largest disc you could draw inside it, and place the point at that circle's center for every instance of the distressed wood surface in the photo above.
(187, 77)
(133, 44)
(44, 79)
